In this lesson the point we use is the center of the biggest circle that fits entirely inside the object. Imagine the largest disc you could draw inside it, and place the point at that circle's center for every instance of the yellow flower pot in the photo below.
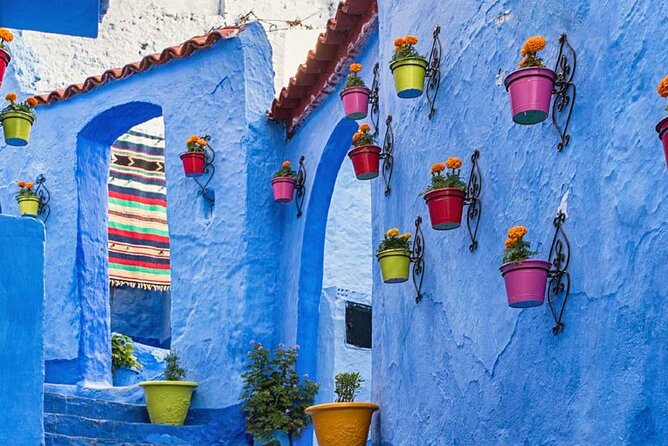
(394, 265)
(409, 77)
(342, 424)
(29, 205)
(168, 402)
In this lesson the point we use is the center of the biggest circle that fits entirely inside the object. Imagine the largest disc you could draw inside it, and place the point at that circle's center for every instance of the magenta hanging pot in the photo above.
(530, 91)
(662, 130)
(284, 189)
(526, 282)
(4, 62)
(356, 102)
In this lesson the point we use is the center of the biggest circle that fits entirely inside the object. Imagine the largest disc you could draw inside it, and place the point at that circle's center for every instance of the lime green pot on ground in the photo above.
(16, 126)
(29, 205)
(168, 402)
(409, 77)
(394, 265)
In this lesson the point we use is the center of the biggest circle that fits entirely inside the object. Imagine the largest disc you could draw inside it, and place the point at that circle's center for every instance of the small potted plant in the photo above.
(168, 401)
(355, 95)
(344, 422)
(124, 364)
(394, 256)
(274, 396)
(6, 36)
(366, 154)
(17, 119)
(525, 279)
(662, 126)
(283, 183)
(408, 67)
(445, 195)
(194, 159)
(27, 199)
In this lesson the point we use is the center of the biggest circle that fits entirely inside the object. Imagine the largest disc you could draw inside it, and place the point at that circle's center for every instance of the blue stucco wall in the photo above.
(21, 330)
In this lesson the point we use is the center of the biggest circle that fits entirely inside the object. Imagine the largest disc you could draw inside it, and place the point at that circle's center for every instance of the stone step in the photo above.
(66, 440)
(94, 408)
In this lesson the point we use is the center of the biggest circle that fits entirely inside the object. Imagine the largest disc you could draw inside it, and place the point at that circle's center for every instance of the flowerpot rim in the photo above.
(342, 406)
(371, 148)
(662, 127)
(192, 384)
(9, 56)
(283, 180)
(408, 61)
(17, 114)
(525, 264)
(190, 154)
(435, 193)
(349, 90)
(394, 253)
(31, 198)
(521, 73)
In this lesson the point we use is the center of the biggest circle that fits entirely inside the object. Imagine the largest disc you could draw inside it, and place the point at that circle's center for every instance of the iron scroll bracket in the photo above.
(387, 155)
(472, 200)
(209, 171)
(374, 100)
(300, 186)
(44, 196)
(417, 258)
(564, 90)
(559, 285)
(434, 72)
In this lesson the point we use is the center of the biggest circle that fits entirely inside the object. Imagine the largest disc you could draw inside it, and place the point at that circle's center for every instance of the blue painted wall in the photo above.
(21, 330)
(73, 17)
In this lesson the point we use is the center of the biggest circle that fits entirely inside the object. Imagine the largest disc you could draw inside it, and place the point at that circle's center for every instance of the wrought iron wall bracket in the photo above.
(472, 200)
(387, 155)
(560, 279)
(44, 196)
(434, 72)
(209, 171)
(300, 187)
(564, 90)
(417, 258)
(374, 100)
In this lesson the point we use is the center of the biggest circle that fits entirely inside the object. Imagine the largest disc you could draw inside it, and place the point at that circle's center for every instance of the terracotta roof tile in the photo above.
(318, 77)
(181, 51)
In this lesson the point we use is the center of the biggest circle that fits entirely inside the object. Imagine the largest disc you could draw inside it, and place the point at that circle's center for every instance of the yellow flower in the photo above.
(357, 136)
(392, 232)
(32, 102)
(356, 67)
(453, 163)
(405, 236)
(286, 164)
(411, 40)
(437, 167)
(399, 42)
(534, 44)
(11, 97)
(6, 35)
(517, 232)
(365, 128)
(510, 242)
(663, 87)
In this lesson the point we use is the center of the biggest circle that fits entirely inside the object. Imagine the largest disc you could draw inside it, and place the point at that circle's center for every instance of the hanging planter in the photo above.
(194, 160)
(5, 37)
(355, 95)
(168, 401)
(27, 199)
(344, 422)
(283, 183)
(662, 126)
(394, 256)
(445, 195)
(17, 119)
(366, 154)
(409, 68)
(525, 279)
(531, 87)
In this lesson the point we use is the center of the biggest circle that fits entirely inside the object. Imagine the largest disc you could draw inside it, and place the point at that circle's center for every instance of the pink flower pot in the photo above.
(366, 160)
(445, 207)
(526, 282)
(284, 189)
(662, 129)
(4, 61)
(356, 102)
(530, 91)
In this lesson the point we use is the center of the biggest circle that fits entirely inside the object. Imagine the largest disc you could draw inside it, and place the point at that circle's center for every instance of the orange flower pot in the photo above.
(342, 424)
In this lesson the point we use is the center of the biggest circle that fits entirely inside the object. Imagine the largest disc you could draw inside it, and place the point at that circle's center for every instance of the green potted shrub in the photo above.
(17, 119)
(168, 401)
(344, 422)
(275, 397)
(394, 256)
(124, 364)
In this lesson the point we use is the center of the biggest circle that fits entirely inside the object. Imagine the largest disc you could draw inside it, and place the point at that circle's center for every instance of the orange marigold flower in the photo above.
(517, 232)
(30, 185)
(11, 97)
(357, 136)
(192, 139)
(663, 87)
(21, 184)
(437, 167)
(411, 40)
(534, 44)
(405, 236)
(286, 164)
(365, 128)
(356, 67)
(510, 242)
(202, 142)
(6, 35)
(399, 42)
(32, 102)
(453, 163)
(392, 232)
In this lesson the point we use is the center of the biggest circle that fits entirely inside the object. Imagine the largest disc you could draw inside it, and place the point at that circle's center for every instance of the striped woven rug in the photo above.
(138, 234)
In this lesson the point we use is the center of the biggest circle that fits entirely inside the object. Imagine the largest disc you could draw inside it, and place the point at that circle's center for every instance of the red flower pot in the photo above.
(662, 129)
(193, 163)
(445, 207)
(284, 189)
(4, 61)
(365, 161)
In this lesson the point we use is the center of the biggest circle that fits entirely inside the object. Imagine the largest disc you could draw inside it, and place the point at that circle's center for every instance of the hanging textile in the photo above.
(138, 234)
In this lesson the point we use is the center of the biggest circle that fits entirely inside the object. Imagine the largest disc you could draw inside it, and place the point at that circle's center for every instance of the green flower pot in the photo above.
(168, 402)
(409, 77)
(28, 206)
(16, 126)
(394, 265)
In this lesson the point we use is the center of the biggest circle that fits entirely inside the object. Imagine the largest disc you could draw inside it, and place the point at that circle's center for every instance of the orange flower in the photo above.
(399, 42)
(6, 35)
(453, 163)
(510, 242)
(364, 128)
(411, 40)
(357, 136)
(21, 184)
(30, 185)
(356, 67)
(202, 142)
(11, 97)
(192, 139)
(534, 44)
(286, 164)
(437, 167)
(663, 87)
(517, 232)
(32, 102)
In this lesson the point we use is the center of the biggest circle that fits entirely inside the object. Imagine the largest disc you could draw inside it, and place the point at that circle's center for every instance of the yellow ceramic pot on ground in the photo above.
(29, 205)
(342, 424)
(168, 402)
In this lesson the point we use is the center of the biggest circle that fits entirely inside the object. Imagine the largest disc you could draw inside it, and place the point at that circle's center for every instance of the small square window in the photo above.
(358, 324)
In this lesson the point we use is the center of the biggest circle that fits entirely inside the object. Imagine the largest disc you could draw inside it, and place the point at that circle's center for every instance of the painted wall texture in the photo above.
(21, 330)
